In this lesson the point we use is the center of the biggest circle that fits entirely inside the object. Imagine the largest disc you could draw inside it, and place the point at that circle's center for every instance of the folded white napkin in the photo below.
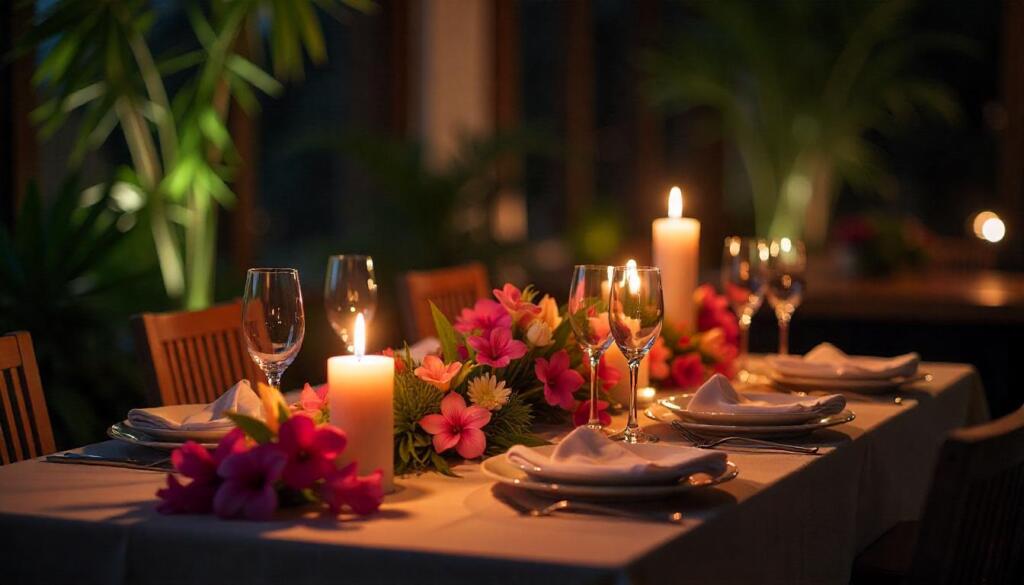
(190, 417)
(828, 361)
(589, 453)
(718, 396)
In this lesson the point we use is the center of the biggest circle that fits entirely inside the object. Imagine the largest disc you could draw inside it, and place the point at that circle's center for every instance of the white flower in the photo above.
(539, 334)
(486, 391)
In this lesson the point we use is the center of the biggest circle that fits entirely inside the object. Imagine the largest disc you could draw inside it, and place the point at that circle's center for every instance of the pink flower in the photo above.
(458, 426)
(195, 462)
(658, 358)
(363, 495)
(713, 311)
(582, 414)
(249, 477)
(559, 380)
(434, 372)
(311, 451)
(497, 349)
(484, 316)
(312, 400)
(607, 375)
(193, 498)
(399, 362)
(511, 298)
(687, 371)
(598, 328)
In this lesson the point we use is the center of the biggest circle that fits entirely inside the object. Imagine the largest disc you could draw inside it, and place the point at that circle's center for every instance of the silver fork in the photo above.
(540, 510)
(710, 443)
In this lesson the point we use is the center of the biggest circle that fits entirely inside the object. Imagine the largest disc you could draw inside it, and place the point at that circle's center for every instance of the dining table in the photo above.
(786, 518)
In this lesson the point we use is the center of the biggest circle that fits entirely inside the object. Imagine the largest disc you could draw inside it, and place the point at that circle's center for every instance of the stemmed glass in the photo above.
(744, 278)
(588, 298)
(636, 310)
(787, 261)
(272, 319)
(350, 288)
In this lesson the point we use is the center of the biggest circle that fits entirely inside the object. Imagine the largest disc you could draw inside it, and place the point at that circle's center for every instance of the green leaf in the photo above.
(253, 427)
(441, 464)
(446, 333)
(250, 72)
(213, 128)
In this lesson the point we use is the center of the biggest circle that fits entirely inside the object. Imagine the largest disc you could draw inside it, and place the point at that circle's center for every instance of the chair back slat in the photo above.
(451, 289)
(25, 430)
(193, 356)
(972, 529)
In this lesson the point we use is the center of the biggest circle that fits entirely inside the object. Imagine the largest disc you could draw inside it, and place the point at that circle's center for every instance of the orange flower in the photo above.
(273, 405)
(434, 372)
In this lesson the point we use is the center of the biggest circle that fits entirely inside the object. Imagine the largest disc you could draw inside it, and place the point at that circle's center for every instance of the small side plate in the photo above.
(661, 414)
(121, 432)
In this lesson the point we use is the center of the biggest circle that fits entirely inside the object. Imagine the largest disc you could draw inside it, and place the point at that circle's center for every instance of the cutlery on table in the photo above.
(712, 442)
(546, 508)
(160, 465)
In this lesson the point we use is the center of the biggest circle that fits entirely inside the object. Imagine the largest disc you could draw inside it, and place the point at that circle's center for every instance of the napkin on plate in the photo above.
(189, 417)
(828, 361)
(586, 452)
(718, 396)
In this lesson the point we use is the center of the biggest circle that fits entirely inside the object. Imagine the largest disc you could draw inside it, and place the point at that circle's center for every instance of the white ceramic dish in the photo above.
(680, 405)
(121, 432)
(651, 451)
(862, 386)
(660, 413)
(211, 436)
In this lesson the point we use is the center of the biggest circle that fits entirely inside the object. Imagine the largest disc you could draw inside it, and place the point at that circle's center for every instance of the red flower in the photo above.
(497, 349)
(399, 362)
(363, 495)
(607, 375)
(311, 451)
(658, 358)
(582, 414)
(687, 371)
(312, 400)
(559, 380)
(713, 311)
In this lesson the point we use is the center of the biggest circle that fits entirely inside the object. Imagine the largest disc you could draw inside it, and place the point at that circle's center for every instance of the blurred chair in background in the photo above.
(972, 529)
(193, 356)
(25, 430)
(451, 289)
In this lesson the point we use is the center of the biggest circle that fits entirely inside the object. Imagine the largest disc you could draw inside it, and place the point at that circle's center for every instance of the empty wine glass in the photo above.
(350, 288)
(787, 261)
(744, 278)
(588, 303)
(272, 319)
(636, 310)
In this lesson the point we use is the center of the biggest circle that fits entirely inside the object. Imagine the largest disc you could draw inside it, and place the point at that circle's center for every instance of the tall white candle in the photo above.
(361, 391)
(613, 358)
(676, 247)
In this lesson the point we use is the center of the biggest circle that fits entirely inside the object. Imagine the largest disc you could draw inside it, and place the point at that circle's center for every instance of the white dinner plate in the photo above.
(659, 413)
(680, 405)
(500, 470)
(860, 385)
(657, 475)
(121, 432)
(211, 436)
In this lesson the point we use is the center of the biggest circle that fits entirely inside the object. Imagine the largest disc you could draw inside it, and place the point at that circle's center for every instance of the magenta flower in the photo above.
(559, 380)
(498, 348)
(192, 498)
(311, 451)
(458, 426)
(484, 316)
(607, 374)
(312, 400)
(582, 414)
(248, 488)
(363, 495)
(522, 311)
(688, 371)
(198, 464)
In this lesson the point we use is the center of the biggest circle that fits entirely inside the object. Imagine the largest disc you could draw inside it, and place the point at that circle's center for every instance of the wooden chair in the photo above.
(972, 529)
(193, 356)
(451, 289)
(25, 430)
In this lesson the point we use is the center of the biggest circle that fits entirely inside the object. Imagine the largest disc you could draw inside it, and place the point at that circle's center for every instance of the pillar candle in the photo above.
(676, 247)
(361, 394)
(620, 392)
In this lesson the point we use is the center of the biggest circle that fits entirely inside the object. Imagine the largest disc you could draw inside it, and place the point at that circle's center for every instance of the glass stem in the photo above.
(594, 419)
(632, 426)
(274, 378)
(783, 335)
(744, 323)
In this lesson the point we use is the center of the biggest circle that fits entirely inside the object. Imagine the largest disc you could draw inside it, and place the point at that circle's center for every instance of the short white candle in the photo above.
(676, 247)
(614, 359)
(361, 391)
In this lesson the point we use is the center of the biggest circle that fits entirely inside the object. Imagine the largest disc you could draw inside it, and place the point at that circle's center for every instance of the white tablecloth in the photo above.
(785, 519)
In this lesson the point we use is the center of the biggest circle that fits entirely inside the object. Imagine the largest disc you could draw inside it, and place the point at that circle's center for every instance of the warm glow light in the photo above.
(632, 277)
(786, 244)
(359, 338)
(734, 246)
(645, 395)
(675, 202)
(762, 251)
(631, 264)
(993, 229)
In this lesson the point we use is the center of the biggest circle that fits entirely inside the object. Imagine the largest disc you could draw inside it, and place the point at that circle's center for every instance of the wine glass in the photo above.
(272, 319)
(588, 299)
(787, 261)
(744, 278)
(636, 310)
(350, 288)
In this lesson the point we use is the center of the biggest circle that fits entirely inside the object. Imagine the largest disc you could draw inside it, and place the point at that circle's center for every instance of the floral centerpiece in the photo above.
(503, 365)
(291, 457)
(686, 357)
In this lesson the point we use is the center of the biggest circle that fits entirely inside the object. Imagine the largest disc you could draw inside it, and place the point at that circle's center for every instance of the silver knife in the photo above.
(160, 465)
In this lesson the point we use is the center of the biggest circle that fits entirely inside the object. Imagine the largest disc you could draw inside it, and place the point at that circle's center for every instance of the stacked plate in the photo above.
(136, 431)
(826, 367)
(593, 482)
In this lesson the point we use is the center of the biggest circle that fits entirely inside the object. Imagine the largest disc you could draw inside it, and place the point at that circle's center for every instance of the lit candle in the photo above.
(676, 246)
(614, 358)
(361, 390)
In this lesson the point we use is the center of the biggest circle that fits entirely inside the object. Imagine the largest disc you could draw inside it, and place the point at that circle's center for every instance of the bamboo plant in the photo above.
(171, 109)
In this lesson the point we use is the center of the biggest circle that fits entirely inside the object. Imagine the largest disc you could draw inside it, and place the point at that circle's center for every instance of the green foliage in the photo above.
(254, 428)
(800, 86)
(446, 333)
(414, 399)
(510, 425)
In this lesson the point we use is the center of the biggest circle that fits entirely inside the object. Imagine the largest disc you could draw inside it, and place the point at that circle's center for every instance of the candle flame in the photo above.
(632, 277)
(359, 336)
(675, 202)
